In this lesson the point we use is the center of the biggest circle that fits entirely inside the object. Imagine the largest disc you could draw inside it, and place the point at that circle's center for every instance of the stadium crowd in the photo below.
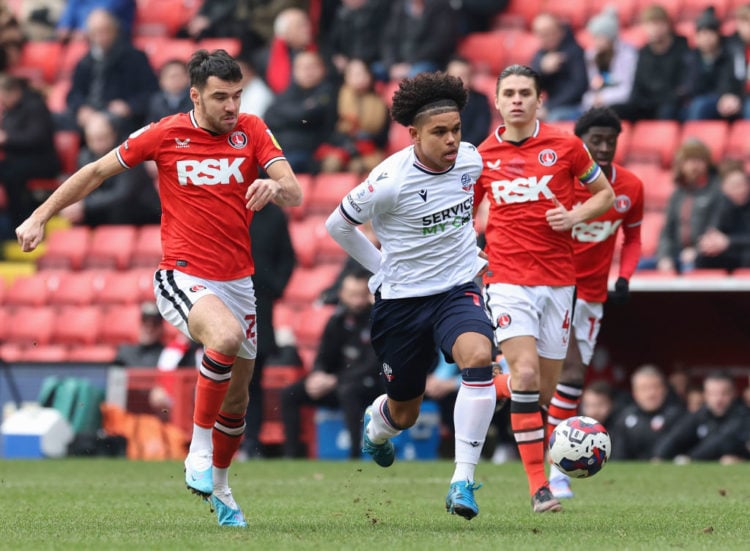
(322, 73)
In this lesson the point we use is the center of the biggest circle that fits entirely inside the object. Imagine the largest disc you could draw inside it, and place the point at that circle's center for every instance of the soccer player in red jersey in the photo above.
(594, 246)
(530, 174)
(209, 187)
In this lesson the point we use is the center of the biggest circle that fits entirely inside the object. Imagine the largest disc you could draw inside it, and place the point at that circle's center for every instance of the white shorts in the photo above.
(587, 320)
(540, 311)
(176, 292)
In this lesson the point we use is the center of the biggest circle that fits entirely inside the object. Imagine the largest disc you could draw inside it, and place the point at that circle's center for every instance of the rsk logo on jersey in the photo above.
(595, 232)
(237, 139)
(521, 190)
(547, 157)
(467, 184)
(210, 171)
(622, 203)
(503, 320)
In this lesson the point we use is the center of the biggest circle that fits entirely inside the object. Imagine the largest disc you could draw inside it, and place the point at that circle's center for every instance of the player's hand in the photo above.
(560, 218)
(621, 293)
(30, 233)
(261, 192)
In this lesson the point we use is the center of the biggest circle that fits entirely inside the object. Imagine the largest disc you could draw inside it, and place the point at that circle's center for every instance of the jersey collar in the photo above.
(498, 134)
(424, 168)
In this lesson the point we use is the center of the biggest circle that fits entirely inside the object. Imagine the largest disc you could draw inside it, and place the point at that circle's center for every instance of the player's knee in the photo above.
(525, 377)
(404, 417)
(225, 341)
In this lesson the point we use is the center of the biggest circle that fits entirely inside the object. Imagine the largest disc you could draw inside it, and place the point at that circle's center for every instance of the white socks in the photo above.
(379, 430)
(475, 406)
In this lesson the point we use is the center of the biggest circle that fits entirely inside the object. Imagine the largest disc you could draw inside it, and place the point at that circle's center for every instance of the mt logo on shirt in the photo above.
(210, 171)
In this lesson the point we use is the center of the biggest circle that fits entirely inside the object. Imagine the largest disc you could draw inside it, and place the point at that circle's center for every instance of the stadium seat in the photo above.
(691, 9)
(43, 56)
(66, 249)
(306, 183)
(738, 146)
(484, 51)
(306, 284)
(162, 17)
(122, 287)
(329, 190)
(623, 142)
(70, 57)
(326, 249)
(398, 138)
(98, 353)
(686, 29)
(654, 141)
(57, 95)
(673, 7)
(275, 378)
(634, 34)
(386, 92)
(67, 144)
(78, 325)
(658, 184)
(519, 46)
(653, 222)
(283, 314)
(159, 52)
(11, 352)
(76, 288)
(49, 353)
(706, 273)
(565, 126)
(111, 247)
(28, 291)
(715, 134)
(304, 242)
(120, 324)
(233, 46)
(310, 323)
(32, 325)
(625, 9)
(575, 14)
(146, 251)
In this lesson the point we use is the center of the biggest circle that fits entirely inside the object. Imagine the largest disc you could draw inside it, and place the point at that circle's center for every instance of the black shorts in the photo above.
(406, 334)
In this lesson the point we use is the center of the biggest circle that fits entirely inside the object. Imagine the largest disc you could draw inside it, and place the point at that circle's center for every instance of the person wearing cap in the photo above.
(658, 91)
(144, 353)
(610, 62)
(709, 80)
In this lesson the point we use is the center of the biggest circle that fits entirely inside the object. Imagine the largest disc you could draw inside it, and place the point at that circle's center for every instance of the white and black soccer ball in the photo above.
(579, 446)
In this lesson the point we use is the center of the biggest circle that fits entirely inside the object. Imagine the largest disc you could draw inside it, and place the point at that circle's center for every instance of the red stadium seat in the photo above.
(162, 17)
(634, 34)
(28, 291)
(304, 242)
(78, 325)
(310, 323)
(57, 95)
(326, 249)
(673, 7)
(738, 146)
(99, 353)
(329, 190)
(574, 14)
(305, 285)
(11, 352)
(654, 141)
(71, 55)
(49, 353)
(653, 222)
(233, 46)
(147, 248)
(67, 144)
(159, 52)
(715, 134)
(398, 138)
(42, 56)
(691, 9)
(120, 325)
(565, 126)
(5, 315)
(658, 184)
(625, 9)
(77, 288)
(306, 183)
(623, 142)
(519, 46)
(32, 325)
(484, 51)
(121, 287)
(66, 249)
(111, 247)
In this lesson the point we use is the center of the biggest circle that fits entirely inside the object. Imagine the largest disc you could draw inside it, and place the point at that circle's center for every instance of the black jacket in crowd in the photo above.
(635, 432)
(567, 86)
(659, 78)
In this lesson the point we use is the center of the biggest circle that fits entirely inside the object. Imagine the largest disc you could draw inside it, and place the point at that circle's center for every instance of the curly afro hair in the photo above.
(598, 116)
(415, 93)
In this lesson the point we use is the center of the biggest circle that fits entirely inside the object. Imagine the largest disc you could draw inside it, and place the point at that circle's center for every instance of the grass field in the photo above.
(116, 504)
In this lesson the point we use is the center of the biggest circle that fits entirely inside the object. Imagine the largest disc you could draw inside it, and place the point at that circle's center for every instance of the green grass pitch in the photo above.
(107, 504)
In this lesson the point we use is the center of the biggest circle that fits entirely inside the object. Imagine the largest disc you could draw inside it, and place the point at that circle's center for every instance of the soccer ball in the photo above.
(579, 447)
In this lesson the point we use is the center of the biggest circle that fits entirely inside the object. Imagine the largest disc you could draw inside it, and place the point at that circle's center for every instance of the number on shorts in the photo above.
(250, 333)
(592, 327)
(566, 320)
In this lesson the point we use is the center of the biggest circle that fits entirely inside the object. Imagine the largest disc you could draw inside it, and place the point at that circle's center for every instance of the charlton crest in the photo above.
(503, 320)
(622, 203)
(547, 157)
(237, 139)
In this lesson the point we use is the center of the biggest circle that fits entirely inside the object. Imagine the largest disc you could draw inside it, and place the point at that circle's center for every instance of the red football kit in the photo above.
(203, 178)
(521, 181)
(594, 241)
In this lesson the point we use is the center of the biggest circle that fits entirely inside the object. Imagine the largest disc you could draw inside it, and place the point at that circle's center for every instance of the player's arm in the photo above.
(85, 180)
(602, 198)
(281, 187)
(345, 232)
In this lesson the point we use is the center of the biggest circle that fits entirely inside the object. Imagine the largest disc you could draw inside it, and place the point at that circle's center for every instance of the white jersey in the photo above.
(423, 220)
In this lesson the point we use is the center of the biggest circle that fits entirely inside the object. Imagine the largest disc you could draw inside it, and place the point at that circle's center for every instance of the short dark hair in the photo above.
(597, 116)
(603, 388)
(425, 89)
(522, 71)
(720, 376)
(218, 64)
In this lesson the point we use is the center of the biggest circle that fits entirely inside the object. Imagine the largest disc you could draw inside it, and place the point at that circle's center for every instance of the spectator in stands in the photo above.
(26, 145)
(640, 426)
(126, 198)
(346, 372)
(73, 21)
(419, 36)
(598, 402)
(302, 117)
(12, 41)
(478, 15)
(146, 352)
(38, 18)
(738, 46)
(274, 260)
(173, 95)
(560, 63)
(610, 62)
(691, 207)
(256, 95)
(726, 243)
(355, 32)
(358, 141)
(658, 87)
(710, 84)
(477, 115)
(292, 35)
(113, 76)
(717, 431)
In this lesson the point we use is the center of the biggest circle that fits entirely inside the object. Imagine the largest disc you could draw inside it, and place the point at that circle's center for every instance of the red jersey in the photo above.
(520, 181)
(203, 179)
(594, 241)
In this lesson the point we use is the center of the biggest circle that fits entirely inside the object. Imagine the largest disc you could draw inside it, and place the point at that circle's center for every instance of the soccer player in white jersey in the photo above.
(420, 202)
